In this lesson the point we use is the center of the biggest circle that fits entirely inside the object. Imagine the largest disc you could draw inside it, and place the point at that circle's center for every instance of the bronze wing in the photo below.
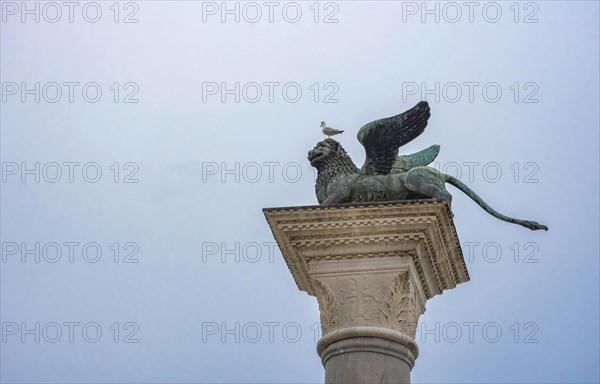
(382, 138)
(406, 162)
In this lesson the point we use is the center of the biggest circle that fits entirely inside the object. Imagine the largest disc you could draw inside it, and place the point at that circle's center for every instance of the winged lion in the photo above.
(385, 176)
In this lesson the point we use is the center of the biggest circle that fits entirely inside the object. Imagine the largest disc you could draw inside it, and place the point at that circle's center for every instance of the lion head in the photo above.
(329, 152)
(331, 160)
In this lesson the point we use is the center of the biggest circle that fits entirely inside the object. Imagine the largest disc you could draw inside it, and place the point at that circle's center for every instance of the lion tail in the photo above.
(533, 225)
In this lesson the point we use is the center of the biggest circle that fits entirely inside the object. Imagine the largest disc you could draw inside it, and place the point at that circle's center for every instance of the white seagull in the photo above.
(328, 130)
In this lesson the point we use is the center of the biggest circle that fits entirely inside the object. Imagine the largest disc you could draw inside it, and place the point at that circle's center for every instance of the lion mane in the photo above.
(334, 162)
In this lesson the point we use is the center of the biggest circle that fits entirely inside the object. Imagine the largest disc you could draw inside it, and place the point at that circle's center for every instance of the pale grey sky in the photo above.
(186, 170)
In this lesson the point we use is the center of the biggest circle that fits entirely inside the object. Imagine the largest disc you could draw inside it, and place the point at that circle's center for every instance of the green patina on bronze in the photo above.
(385, 176)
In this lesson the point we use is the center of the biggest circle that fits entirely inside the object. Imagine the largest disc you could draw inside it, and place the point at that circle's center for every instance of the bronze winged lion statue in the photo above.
(385, 176)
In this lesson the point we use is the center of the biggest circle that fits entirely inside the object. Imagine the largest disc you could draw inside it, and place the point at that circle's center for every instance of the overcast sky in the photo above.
(157, 131)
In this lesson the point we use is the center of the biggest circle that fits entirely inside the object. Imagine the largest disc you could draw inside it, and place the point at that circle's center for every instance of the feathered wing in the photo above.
(419, 159)
(382, 138)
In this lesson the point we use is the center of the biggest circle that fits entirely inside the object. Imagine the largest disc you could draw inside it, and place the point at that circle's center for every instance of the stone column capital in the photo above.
(372, 268)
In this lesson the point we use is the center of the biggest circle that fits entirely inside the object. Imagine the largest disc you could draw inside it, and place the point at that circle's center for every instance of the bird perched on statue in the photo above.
(328, 130)
(385, 175)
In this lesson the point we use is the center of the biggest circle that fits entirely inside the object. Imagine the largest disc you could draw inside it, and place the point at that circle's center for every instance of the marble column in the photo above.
(372, 267)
